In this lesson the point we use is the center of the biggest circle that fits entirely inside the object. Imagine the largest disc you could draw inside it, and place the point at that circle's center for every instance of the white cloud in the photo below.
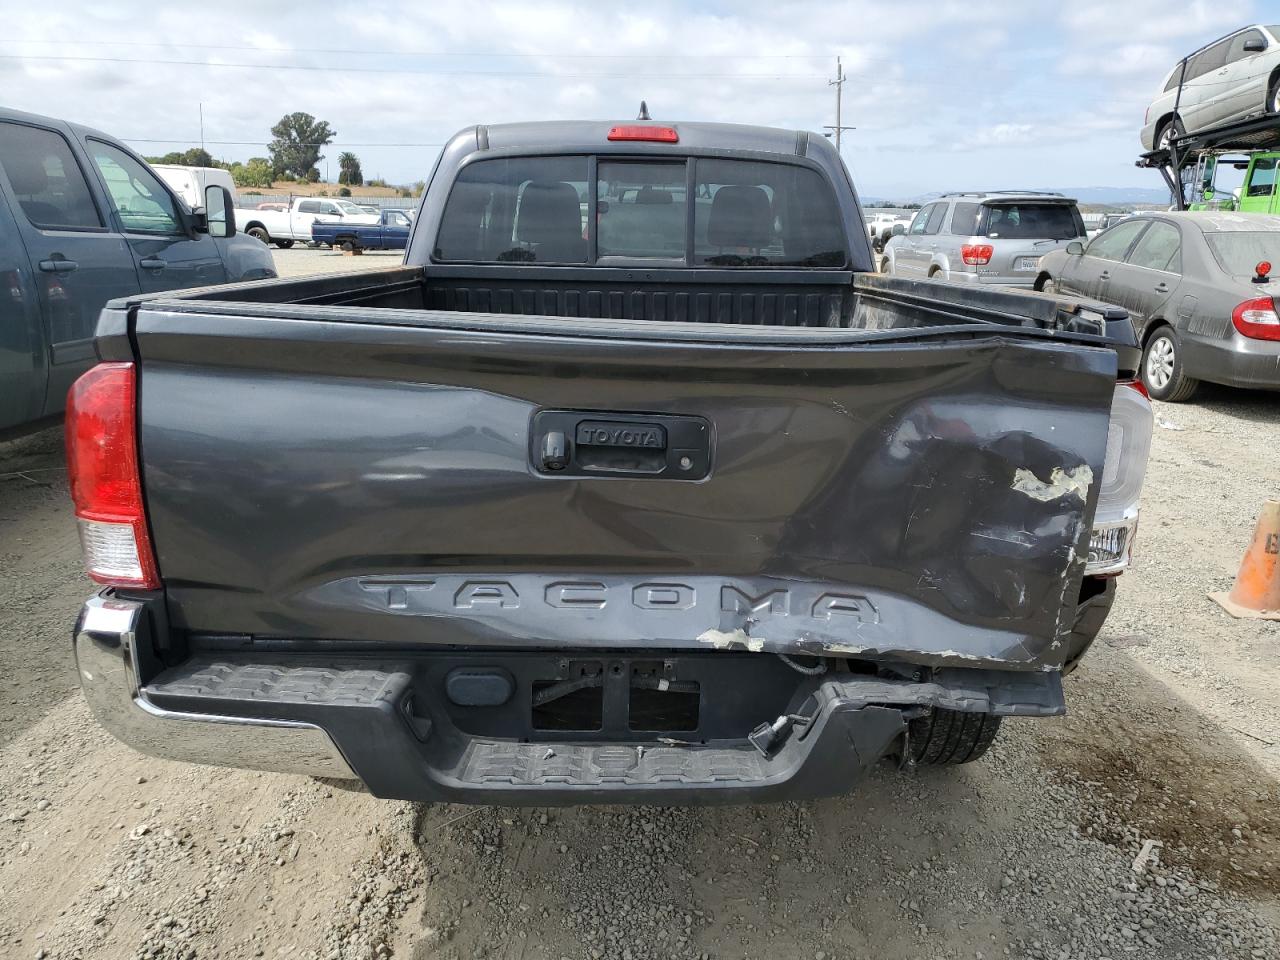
(975, 85)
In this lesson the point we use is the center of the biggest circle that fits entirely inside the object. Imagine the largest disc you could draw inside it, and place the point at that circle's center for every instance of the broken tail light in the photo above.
(1115, 522)
(106, 488)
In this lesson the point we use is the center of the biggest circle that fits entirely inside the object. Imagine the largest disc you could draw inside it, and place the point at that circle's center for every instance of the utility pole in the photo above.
(202, 126)
(838, 83)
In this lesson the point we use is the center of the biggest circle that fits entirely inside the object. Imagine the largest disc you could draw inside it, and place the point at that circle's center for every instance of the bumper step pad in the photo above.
(534, 764)
(337, 683)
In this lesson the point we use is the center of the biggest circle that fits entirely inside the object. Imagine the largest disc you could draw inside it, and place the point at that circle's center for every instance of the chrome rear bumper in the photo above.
(105, 639)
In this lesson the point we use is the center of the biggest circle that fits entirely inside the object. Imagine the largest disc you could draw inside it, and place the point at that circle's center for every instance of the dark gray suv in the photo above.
(996, 237)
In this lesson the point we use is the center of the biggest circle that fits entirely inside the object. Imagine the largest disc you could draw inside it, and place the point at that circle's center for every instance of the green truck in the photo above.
(1257, 194)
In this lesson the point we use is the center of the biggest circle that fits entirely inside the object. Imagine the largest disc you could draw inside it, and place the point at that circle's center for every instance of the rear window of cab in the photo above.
(675, 212)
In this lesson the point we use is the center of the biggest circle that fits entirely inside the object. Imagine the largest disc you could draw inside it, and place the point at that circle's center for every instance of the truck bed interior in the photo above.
(776, 298)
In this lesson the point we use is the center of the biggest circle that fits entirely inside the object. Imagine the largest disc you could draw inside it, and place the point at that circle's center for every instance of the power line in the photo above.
(263, 143)
(434, 53)
(406, 70)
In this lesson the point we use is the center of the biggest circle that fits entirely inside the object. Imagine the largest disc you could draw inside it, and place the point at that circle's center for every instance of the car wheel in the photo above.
(260, 234)
(284, 244)
(943, 737)
(886, 266)
(1162, 369)
(348, 246)
(1273, 96)
(1166, 134)
(1049, 286)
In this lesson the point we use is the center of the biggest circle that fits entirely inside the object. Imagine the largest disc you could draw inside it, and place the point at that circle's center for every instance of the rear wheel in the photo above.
(1166, 134)
(946, 737)
(348, 246)
(1163, 372)
(284, 244)
(259, 233)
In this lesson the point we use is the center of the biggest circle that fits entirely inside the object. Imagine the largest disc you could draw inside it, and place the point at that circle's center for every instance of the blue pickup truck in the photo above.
(391, 232)
(83, 219)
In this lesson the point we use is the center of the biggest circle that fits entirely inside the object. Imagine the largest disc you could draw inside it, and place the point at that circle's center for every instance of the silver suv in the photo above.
(1224, 81)
(996, 237)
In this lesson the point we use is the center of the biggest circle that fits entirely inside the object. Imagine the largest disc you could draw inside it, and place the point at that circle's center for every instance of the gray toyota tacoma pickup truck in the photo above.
(634, 483)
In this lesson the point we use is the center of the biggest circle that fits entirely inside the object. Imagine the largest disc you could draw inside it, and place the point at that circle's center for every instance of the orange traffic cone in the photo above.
(1257, 589)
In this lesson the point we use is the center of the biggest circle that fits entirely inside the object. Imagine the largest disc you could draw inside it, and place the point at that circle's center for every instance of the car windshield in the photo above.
(1031, 221)
(1238, 252)
(346, 206)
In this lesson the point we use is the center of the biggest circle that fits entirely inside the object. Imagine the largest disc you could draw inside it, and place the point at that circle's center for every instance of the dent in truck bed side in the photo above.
(361, 482)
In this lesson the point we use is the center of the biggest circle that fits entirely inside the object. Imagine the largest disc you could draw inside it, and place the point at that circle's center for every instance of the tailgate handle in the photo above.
(583, 444)
(555, 451)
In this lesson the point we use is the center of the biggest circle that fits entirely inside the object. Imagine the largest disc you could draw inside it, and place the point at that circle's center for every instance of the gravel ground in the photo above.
(298, 260)
(1170, 745)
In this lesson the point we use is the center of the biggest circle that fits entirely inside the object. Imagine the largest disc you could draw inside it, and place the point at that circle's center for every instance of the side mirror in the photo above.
(899, 229)
(1075, 249)
(220, 215)
(1255, 45)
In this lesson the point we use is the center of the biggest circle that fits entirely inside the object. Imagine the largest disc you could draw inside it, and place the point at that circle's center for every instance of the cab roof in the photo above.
(593, 135)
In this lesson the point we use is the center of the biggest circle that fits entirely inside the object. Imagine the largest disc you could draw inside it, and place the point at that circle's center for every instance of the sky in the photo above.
(944, 95)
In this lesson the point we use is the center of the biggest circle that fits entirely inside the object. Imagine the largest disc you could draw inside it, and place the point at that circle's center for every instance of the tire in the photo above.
(348, 246)
(283, 244)
(1173, 128)
(1273, 96)
(886, 267)
(1050, 286)
(947, 737)
(259, 233)
(1162, 371)
(1091, 614)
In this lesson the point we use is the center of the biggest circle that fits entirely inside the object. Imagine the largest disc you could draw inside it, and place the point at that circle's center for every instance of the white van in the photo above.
(189, 182)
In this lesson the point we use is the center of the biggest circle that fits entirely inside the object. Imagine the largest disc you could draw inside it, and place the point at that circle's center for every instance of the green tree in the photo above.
(256, 173)
(194, 157)
(297, 141)
(349, 169)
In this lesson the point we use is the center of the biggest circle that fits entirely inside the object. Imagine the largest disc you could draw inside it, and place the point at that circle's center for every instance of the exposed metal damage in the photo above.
(1062, 483)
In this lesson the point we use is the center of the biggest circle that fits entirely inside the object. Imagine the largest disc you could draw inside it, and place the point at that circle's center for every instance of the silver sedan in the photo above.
(1198, 288)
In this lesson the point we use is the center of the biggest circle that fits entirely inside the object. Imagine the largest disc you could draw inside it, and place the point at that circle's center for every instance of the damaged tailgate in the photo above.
(535, 483)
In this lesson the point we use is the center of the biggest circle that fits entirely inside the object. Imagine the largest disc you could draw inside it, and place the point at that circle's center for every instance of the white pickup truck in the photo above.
(270, 224)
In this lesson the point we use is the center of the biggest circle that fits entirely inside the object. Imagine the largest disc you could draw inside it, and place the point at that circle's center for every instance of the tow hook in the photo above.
(768, 738)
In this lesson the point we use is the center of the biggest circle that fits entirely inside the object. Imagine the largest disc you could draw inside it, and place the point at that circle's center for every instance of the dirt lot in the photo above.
(299, 261)
(1173, 736)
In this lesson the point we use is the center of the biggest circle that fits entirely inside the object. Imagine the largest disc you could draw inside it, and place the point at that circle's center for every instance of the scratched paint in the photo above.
(1062, 483)
(730, 639)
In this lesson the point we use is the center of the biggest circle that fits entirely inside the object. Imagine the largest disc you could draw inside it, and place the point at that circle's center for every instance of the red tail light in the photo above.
(102, 460)
(976, 254)
(1136, 385)
(1257, 319)
(641, 132)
